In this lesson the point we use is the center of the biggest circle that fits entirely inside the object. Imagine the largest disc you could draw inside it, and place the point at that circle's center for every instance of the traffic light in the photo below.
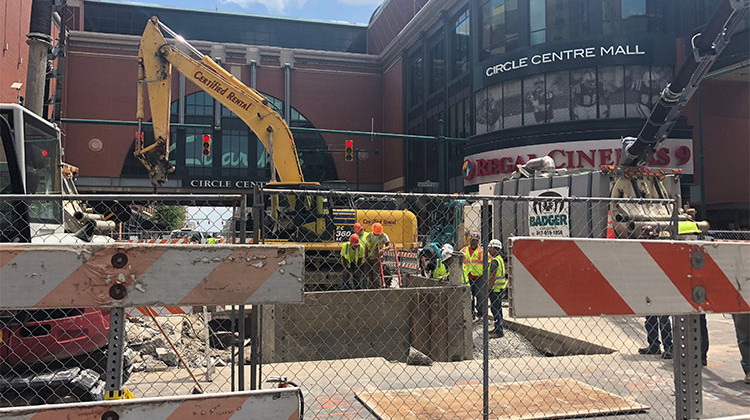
(206, 145)
(349, 152)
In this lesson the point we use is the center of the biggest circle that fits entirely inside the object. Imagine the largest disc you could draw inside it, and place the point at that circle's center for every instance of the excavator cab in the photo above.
(299, 218)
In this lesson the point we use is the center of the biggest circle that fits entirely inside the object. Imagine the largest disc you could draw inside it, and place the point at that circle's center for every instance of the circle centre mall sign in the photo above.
(497, 165)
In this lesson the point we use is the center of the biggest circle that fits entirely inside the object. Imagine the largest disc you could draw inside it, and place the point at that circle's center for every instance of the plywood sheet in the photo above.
(543, 399)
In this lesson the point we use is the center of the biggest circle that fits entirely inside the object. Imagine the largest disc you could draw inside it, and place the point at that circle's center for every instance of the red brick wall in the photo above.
(14, 24)
(726, 130)
(393, 114)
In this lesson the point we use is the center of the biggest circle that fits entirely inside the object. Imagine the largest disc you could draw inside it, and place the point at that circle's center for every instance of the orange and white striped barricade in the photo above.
(268, 404)
(552, 277)
(389, 258)
(591, 277)
(123, 275)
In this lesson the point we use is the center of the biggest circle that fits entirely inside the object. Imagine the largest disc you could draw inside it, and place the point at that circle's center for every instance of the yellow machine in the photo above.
(309, 220)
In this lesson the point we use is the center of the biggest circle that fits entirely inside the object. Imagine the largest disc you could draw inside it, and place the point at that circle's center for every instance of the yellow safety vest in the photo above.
(440, 271)
(374, 243)
(501, 281)
(212, 241)
(352, 255)
(473, 262)
(686, 228)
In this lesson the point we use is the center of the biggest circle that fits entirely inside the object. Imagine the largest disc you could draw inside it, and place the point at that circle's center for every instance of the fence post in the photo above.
(483, 295)
(115, 352)
(241, 315)
(686, 337)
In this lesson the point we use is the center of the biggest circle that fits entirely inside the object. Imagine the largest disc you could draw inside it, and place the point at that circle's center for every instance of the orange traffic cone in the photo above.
(610, 226)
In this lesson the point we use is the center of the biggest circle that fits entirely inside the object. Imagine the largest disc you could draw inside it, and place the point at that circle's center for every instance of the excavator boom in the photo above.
(155, 60)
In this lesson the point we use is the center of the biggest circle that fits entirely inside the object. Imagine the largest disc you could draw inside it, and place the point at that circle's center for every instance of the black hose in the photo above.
(41, 18)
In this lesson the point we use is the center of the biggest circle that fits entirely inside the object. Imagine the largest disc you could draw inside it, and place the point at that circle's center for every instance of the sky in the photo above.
(352, 11)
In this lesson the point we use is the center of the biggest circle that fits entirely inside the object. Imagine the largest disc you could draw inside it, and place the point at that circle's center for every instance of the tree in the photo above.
(170, 217)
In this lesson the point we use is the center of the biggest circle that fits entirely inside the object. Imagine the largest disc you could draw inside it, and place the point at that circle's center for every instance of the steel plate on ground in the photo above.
(544, 399)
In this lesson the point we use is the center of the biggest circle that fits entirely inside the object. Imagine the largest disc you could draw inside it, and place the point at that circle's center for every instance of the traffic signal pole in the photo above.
(356, 165)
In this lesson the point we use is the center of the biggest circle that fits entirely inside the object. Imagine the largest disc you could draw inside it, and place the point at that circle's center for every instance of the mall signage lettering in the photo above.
(565, 55)
(579, 155)
(221, 183)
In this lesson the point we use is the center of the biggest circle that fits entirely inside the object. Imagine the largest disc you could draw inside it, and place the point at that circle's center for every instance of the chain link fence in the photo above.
(60, 355)
(401, 333)
(390, 325)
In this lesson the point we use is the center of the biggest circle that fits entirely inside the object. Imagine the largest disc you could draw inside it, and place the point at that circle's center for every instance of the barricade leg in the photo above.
(113, 383)
(687, 367)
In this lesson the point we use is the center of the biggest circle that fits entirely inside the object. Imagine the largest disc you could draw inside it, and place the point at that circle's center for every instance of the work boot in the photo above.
(667, 354)
(747, 378)
(649, 350)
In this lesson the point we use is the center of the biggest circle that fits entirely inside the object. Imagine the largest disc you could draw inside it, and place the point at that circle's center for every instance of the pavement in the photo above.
(331, 386)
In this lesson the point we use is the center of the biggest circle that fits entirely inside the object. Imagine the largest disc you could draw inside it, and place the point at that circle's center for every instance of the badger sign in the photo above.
(549, 218)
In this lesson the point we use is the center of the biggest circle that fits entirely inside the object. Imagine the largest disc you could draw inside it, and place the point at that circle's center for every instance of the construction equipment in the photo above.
(46, 355)
(632, 179)
(309, 220)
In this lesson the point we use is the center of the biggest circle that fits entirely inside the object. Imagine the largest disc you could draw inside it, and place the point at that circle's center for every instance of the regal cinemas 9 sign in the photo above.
(498, 164)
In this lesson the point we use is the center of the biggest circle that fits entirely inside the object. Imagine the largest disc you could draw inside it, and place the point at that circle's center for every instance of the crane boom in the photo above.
(706, 47)
(155, 60)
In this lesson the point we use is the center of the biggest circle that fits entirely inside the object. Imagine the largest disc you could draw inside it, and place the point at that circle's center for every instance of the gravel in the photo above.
(511, 345)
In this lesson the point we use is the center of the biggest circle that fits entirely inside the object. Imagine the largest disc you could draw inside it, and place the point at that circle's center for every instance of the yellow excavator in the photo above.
(309, 220)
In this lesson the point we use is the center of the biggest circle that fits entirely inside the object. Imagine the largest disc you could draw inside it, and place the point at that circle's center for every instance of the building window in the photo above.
(631, 16)
(459, 119)
(567, 19)
(416, 79)
(436, 60)
(460, 45)
(499, 26)
(537, 22)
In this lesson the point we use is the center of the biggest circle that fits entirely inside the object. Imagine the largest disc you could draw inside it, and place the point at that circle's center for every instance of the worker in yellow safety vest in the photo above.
(474, 270)
(443, 269)
(376, 241)
(359, 230)
(498, 284)
(352, 258)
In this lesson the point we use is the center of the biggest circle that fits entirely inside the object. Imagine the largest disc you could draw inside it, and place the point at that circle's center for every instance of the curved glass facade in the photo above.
(242, 155)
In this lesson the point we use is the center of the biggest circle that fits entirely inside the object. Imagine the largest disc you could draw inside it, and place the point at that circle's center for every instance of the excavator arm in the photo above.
(155, 60)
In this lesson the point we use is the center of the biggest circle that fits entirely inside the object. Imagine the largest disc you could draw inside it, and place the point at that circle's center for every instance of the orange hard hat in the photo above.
(377, 228)
(354, 240)
(357, 227)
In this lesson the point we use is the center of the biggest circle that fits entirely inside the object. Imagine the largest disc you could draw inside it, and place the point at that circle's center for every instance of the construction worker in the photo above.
(428, 261)
(474, 270)
(359, 230)
(352, 258)
(656, 325)
(443, 267)
(498, 283)
(376, 241)
(213, 240)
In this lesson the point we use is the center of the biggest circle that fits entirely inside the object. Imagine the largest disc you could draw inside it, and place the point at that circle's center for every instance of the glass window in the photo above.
(234, 149)
(567, 19)
(536, 106)
(633, 8)
(461, 45)
(416, 79)
(499, 26)
(495, 107)
(480, 106)
(41, 149)
(611, 92)
(558, 96)
(632, 16)
(436, 62)
(512, 107)
(537, 21)
(583, 96)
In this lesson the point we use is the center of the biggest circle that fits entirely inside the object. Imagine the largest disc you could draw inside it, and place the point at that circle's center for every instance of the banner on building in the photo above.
(549, 218)
(496, 165)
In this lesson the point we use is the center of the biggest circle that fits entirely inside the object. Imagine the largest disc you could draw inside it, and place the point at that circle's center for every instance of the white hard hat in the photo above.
(446, 251)
(495, 243)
